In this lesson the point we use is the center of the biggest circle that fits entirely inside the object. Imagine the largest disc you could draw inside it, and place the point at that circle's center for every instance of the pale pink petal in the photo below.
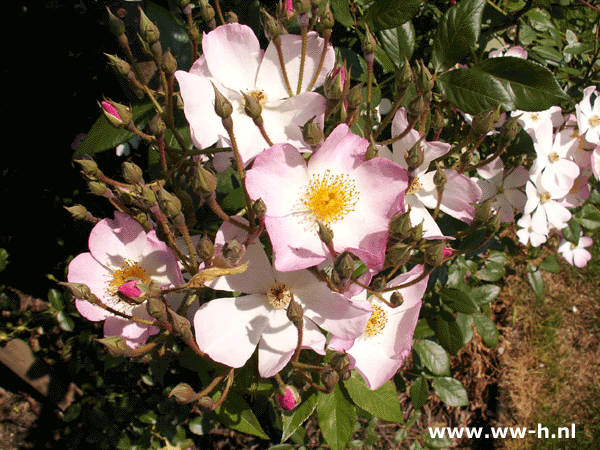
(229, 329)
(112, 240)
(233, 55)
(85, 269)
(516, 178)
(134, 333)
(581, 257)
(516, 51)
(373, 364)
(341, 152)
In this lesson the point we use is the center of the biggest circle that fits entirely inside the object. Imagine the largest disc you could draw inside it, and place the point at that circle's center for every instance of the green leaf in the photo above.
(149, 417)
(433, 356)
(457, 33)
(550, 264)
(533, 86)
(73, 412)
(419, 391)
(449, 333)
(173, 34)
(423, 330)
(536, 281)
(491, 271)
(457, 300)
(486, 293)
(103, 136)
(236, 414)
(473, 91)
(588, 217)
(487, 329)
(465, 322)
(55, 299)
(382, 402)
(65, 322)
(450, 391)
(572, 231)
(337, 416)
(386, 14)
(341, 11)
(399, 42)
(292, 420)
(196, 426)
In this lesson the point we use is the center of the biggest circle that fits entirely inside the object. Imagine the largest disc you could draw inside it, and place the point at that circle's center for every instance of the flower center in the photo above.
(553, 157)
(377, 322)
(415, 186)
(534, 117)
(259, 95)
(500, 189)
(127, 271)
(329, 198)
(594, 120)
(279, 295)
(544, 197)
(573, 246)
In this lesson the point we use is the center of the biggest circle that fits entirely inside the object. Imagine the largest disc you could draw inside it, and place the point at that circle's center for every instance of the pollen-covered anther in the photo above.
(330, 197)
(414, 187)
(594, 121)
(535, 117)
(259, 95)
(127, 270)
(544, 197)
(553, 157)
(279, 295)
(377, 322)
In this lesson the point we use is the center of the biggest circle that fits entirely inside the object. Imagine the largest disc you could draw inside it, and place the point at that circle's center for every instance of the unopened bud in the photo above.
(484, 122)
(157, 126)
(295, 312)
(205, 249)
(493, 225)
(417, 232)
(509, 131)
(117, 27)
(415, 156)
(116, 345)
(148, 30)
(439, 178)
(396, 299)
(157, 309)
(231, 17)
(403, 77)
(181, 326)
(343, 266)
(89, 168)
(259, 208)
(326, 19)
(465, 160)
(434, 253)
(400, 225)
(233, 252)
(423, 79)
(325, 233)
(301, 6)
(339, 113)
(252, 106)
(207, 12)
(289, 399)
(354, 98)
(416, 107)
(437, 121)
(340, 363)
(372, 152)
(398, 254)
(169, 63)
(223, 107)
(334, 84)
(120, 66)
(206, 403)
(97, 187)
(132, 172)
(79, 290)
(147, 196)
(117, 115)
(483, 212)
(183, 393)
(169, 203)
(270, 25)
(78, 212)
(330, 379)
(312, 133)
(204, 182)
(369, 44)
(130, 292)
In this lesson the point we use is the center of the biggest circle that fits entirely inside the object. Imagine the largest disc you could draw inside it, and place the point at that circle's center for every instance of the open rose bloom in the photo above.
(121, 251)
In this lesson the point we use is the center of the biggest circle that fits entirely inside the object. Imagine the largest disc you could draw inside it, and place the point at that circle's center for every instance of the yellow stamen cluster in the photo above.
(535, 117)
(259, 95)
(594, 121)
(414, 187)
(544, 197)
(279, 295)
(329, 198)
(128, 270)
(553, 157)
(377, 322)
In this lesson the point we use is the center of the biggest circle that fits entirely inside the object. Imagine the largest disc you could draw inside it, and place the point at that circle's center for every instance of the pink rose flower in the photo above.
(356, 199)
(229, 329)
(387, 340)
(120, 252)
(233, 61)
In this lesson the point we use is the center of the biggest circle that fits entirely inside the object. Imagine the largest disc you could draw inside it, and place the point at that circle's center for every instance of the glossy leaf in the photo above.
(419, 391)
(457, 300)
(465, 322)
(433, 356)
(550, 264)
(487, 329)
(382, 402)
(491, 271)
(536, 281)
(235, 413)
(589, 217)
(337, 416)
(399, 42)
(341, 11)
(457, 33)
(449, 333)
(485, 294)
(386, 14)
(450, 391)
(292, 420)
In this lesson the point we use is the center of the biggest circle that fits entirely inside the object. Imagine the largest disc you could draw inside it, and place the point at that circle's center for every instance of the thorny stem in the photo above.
(426, 272)
(219, 12)
(440, 194)
(228, 385)
(228, 125)
(489, 159)
(162, 221)
(190, 245)
(299, 327)
(411, 124)
(326, 37)
(277, 42)
(216, 208)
